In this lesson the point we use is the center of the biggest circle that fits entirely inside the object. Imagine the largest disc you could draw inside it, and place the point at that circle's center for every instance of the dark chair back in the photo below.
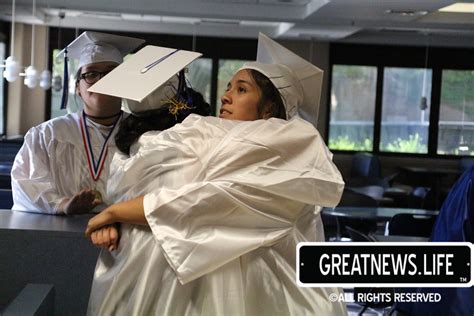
(352, 198)
(356, 235)
(418, 197)
(6, 199)
(411, 225)
(374, 191)
(466, 163)
(8, 151)
(365, 165)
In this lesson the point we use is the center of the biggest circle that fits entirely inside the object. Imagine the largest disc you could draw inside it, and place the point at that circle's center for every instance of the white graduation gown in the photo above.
(227, 202)
(52, 164)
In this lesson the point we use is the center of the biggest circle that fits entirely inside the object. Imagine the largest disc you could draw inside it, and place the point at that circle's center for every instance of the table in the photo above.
(373, 213)
(47, 249)
(430, 171)
(69, 226)
(432, 176)
(377, 215)
(397, 238)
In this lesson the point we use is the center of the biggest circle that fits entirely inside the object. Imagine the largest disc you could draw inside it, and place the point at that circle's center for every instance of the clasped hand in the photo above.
(131, 212)
(103, 231)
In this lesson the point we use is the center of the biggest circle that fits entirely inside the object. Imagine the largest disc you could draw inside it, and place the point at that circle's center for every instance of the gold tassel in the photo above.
(176, 105)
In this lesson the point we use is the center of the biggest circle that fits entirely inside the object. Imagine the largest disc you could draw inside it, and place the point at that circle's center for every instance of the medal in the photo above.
(97, 194)
(95, 167)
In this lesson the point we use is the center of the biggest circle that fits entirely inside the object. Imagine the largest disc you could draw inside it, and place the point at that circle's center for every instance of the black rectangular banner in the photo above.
(426, 264)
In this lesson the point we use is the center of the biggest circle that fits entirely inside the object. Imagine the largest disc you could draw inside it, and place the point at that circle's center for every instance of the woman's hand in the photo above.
(82, 202)
(131, 212)
(102, 219)
(106, 237)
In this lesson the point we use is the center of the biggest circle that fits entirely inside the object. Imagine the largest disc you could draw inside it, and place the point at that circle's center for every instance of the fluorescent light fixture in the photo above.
(459, 7)
(406, 12)
(180, 20)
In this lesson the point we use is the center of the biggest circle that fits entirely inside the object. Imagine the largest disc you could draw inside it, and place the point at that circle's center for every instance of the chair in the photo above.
(411, 225)
(366, 170)
(5, 181)
(418, 197)
(356, 235)
(352, 198)
(374, 191)
(6, 199)
(466, 164)
(365, 165)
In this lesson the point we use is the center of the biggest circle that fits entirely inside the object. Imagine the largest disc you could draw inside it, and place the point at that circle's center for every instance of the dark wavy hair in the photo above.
(160, 119)
(270, 95)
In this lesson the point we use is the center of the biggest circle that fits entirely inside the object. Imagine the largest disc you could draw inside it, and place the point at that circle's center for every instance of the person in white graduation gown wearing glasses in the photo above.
(211, 210)
(62, 167)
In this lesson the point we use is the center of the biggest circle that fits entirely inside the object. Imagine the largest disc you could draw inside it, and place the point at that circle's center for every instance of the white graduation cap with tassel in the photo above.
(298, 81)
(94, 47)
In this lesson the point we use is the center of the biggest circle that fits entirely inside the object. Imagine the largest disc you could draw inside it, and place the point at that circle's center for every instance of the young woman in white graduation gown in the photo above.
(62, 167)
(211, 211)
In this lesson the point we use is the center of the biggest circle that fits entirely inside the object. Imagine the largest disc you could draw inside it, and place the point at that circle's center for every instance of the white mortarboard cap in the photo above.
(151, 69)
(95, 47)
(298, 81)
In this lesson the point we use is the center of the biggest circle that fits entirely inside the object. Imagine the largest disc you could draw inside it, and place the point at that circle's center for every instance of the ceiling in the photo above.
(402, 22)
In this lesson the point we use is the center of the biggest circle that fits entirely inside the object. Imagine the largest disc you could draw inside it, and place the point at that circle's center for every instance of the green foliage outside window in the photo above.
(344, 143)
(414, 144)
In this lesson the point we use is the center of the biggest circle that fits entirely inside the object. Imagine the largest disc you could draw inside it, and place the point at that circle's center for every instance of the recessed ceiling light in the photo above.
(406, 12)
(459, 7)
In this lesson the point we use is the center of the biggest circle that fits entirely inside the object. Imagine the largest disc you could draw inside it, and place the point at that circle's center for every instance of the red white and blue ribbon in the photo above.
(95, 167)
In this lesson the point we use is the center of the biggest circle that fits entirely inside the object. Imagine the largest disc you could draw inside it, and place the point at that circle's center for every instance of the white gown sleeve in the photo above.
(33, 187)
(247, 193)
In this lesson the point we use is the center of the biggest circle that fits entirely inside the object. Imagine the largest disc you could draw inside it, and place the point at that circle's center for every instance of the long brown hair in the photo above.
(270, 96)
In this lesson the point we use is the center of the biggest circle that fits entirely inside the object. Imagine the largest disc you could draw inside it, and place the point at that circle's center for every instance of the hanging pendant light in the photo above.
(424, 98)
(31, 77)
(12, 67)
(31, 74)
(45, 80)
(57, 81)
(463, 146)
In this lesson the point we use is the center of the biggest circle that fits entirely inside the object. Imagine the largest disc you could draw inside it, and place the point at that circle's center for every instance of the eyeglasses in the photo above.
(93, 76)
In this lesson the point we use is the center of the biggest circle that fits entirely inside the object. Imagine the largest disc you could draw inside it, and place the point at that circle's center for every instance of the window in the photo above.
(199, 76)
(352, 107)
(456, 117)
(227, 68)
(405, 110)
(423, 105)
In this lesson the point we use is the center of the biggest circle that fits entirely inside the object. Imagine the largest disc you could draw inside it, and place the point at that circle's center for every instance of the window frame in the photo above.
(330, 100)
